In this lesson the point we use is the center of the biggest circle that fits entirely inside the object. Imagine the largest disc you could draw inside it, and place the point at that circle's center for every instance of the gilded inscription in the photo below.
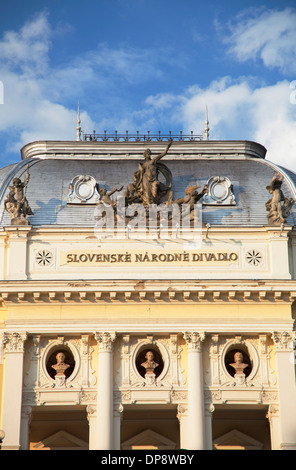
(94, 258)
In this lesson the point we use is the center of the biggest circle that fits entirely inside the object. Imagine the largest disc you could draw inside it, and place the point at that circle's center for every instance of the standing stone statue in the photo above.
(279, 206)
(146, 187)
(16, 203)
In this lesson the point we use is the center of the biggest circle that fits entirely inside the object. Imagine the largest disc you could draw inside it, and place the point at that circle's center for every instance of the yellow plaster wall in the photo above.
(2, 372)
(3, 315)
(150, 312)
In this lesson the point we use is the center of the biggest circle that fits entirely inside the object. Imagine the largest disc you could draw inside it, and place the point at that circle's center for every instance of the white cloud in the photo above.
(27, 50)
(40, 99)
(239, 110)
(269, 35)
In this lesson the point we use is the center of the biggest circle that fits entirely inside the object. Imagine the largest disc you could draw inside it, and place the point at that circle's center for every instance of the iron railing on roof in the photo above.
(117, 137)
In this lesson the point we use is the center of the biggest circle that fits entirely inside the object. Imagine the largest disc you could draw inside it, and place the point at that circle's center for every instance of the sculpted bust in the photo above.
(238, 365)
(60, 367)
(149, 364)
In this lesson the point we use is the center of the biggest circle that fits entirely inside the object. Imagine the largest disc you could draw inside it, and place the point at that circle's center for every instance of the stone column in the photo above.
(118, 410)
(25, 427)
(13, 387)
(105, 391)
(196, 424)
(274, 423)
(92, 424)
(182, 416)
(209, 410)
(285, 371)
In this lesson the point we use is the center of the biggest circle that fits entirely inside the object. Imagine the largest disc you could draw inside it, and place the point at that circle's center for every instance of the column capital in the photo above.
(273, 412)
(14, 342)
(194, 340)
(105, 340)
(283, 340)
(91, 410)
(118, 410)
(182, 411)
(27, 413)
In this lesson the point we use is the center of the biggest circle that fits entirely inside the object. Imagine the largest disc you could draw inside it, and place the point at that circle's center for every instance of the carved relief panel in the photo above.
(239, 362)
(149, 362)
(55, 363)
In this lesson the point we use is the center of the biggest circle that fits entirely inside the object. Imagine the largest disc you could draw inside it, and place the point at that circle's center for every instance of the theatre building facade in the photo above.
(147, 296)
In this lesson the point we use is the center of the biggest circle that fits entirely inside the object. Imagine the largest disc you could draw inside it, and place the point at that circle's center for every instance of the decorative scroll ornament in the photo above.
(83, 190)
(16, 203)
(220, 192)
(279, 206)
(105, 341)
(194, 340)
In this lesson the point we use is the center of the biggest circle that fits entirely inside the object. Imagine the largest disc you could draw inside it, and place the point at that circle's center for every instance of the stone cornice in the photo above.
(122, 150)
(79, 327)
(269, 291)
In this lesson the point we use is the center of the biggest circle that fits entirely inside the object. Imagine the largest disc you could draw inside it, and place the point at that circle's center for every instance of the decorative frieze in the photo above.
(151, 294)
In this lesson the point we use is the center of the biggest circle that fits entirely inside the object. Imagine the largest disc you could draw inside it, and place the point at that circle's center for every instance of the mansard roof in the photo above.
(54, 164)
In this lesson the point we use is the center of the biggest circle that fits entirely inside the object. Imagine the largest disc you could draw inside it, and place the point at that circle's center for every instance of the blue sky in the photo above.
(148, 65)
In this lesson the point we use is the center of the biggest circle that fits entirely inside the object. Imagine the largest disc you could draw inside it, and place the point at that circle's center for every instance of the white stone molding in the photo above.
(214, 360)
(88, 397)
(32, 375)
(174, 360)
(87, 377)
(179, 396)
(124, 370)
(264, 356)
